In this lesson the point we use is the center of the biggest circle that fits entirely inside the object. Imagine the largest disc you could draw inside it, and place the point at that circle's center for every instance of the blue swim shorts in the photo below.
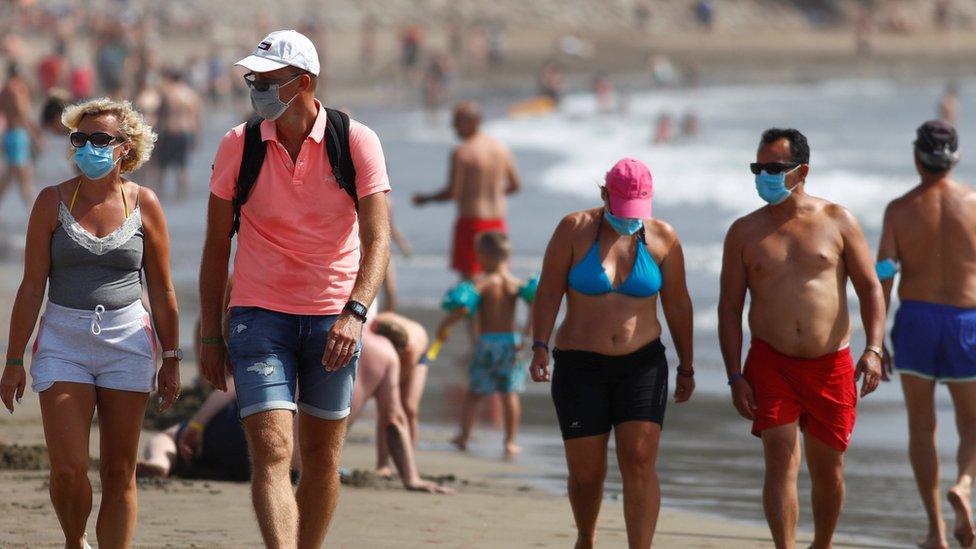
(277, 357)
(935, 341)
(17, 146)
(495, 367)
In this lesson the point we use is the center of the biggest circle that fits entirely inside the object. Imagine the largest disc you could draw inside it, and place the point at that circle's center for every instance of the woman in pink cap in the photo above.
(610, 371)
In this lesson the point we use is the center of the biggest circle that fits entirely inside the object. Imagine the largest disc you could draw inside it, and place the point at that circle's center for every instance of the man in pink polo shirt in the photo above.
(307, 266)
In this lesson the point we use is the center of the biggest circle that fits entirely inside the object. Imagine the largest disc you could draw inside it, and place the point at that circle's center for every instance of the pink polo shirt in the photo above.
(298, 245)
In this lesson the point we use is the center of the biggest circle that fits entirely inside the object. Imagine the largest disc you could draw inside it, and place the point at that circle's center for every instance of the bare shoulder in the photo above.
(839, 214)
(48, 198)
(743, 226)
(580, 219)
(661, 229)
(149, 205)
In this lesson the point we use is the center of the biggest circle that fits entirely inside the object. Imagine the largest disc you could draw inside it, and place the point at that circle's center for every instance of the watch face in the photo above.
(179, 354)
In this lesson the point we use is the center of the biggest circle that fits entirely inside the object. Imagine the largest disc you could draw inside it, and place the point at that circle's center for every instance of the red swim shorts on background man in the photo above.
(820, 392)
(464, 258)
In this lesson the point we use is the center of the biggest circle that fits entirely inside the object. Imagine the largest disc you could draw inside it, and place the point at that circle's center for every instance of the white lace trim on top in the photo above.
(95, 245)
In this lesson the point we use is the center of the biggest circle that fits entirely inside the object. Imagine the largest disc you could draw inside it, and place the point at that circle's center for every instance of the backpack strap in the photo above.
(340, 158)
(252, 159)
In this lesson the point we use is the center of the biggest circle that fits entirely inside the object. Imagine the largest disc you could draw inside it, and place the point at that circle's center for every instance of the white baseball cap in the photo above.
(283, 49)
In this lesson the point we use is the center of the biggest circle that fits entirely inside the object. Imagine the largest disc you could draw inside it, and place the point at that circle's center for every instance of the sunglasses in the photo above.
(99, 140)
(773, 168)
(264, 84)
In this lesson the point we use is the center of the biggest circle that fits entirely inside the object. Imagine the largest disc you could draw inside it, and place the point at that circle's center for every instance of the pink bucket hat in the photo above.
(630, 187)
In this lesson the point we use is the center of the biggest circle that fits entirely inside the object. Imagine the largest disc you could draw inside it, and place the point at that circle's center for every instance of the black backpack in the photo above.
(336, 146)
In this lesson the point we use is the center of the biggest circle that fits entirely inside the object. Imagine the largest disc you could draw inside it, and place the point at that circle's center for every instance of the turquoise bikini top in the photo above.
(588, 277)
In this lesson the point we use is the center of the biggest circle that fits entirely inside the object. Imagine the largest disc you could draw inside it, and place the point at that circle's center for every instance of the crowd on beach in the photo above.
(293, 343)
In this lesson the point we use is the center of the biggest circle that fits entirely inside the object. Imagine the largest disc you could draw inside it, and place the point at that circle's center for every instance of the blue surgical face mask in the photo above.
(268, 104)
(623, 225)
(96, 162)
(772, 187)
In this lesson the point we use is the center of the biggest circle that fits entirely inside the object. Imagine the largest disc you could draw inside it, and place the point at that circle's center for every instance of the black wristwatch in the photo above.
(356, 309)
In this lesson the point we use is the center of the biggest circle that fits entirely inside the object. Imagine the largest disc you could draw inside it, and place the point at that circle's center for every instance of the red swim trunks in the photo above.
(820, 392)
(464, 259)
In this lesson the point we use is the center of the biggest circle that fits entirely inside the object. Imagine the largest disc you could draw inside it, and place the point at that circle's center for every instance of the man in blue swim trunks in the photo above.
(20, 130)
(929, 235)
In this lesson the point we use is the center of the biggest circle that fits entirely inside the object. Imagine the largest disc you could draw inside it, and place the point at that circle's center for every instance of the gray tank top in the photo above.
(87, 271)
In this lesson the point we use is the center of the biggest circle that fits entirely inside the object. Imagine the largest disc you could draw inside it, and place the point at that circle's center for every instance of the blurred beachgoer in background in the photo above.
(19, 135)
(642, 15)
(941, 14)
(51, 67)
(690, 125)
(295, 326)
(482, 173)
(949, 104)
(436, 85)
(389, 291)
(705, 14)
(663, 129)
(610, 371)
(412, 41)
(218, 77)
(605, 92)
(179, 120)
(662, 70)
(367, 42)
(379, 377)
(495, 37)
(495, 367)
(112, 52)
(794, 257)
(864, 32)
(552, 81)
(929, 235)
(96, 346)
(81, 81)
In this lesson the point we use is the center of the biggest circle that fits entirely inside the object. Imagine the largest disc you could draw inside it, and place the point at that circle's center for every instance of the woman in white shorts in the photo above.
(89, 241)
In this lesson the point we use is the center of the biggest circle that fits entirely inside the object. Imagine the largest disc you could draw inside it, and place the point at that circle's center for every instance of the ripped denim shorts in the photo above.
(278, 356)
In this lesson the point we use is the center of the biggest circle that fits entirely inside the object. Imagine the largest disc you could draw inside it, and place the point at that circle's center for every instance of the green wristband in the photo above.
(212, 341)
(15, 362)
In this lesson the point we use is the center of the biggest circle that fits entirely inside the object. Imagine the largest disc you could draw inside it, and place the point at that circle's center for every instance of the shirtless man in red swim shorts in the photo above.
(482, 174)
(794, 257)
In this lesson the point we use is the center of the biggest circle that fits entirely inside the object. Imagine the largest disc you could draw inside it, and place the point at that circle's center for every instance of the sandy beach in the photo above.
(490, 509)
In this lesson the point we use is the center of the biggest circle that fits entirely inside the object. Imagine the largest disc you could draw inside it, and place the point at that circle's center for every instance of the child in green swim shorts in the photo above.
(495, 366)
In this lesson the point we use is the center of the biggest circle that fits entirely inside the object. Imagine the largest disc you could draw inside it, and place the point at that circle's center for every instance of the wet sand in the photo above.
(491, 508)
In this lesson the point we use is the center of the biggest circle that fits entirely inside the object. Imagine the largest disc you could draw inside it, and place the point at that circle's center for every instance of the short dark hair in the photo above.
(799, 148)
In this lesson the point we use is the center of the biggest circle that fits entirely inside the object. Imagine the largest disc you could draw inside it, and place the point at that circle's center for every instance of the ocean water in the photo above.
(861, 135)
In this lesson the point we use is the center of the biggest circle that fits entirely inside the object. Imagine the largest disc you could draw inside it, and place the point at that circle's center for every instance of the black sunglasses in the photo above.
(98, 140)
(773, 168)
(264, 84)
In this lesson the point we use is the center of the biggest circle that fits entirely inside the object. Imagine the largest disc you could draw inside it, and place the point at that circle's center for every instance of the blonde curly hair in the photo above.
(132, 126)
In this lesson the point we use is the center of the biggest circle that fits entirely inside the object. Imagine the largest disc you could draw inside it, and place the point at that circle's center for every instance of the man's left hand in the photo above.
(870, 367)
(341, 343)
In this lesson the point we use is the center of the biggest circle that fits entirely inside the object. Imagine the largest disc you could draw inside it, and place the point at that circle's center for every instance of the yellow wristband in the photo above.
(196, 426)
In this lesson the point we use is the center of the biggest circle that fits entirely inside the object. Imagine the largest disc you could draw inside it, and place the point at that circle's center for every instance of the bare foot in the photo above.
(148, 470)
(511, 450)
(965, 531)
(384, 472)
(460, 443)
(934, 541)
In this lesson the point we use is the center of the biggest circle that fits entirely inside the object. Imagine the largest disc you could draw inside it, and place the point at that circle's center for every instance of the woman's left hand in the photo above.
(684, 387)
(168, 383)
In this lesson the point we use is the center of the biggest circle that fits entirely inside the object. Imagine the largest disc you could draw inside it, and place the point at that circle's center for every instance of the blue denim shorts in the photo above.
(278, 356)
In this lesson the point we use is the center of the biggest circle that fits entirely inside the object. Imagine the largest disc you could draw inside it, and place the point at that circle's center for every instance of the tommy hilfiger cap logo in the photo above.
(264, 46)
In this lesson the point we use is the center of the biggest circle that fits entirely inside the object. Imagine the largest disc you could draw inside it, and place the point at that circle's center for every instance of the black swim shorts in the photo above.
(594, 392)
